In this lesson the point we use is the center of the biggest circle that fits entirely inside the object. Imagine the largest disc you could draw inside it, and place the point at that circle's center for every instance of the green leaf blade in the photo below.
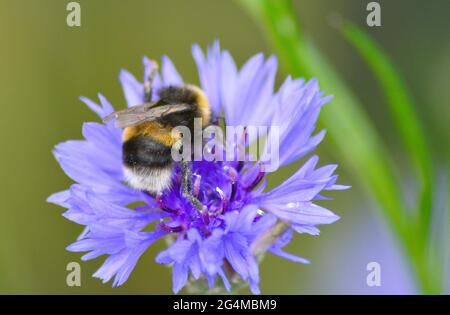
(402, 110)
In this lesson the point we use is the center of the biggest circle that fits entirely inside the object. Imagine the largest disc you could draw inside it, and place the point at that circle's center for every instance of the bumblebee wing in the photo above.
(128, 115)
(144, 113)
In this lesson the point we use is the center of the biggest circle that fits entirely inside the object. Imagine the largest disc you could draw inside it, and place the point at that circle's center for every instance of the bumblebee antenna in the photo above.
(148, 84)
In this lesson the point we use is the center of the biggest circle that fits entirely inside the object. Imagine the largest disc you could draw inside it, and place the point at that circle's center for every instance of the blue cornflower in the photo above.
(241, 220)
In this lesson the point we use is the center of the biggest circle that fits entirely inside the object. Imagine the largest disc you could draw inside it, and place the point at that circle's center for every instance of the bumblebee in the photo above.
(148, 138)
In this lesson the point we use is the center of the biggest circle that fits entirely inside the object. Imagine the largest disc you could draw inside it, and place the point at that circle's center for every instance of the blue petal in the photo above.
(253, 270)
(60, 198)
(229, 77)
(212, 252)
(243, 96)
(253, 273)
(111, 265)
(179, 277)
(92, 105)
(177, 252)
(234, 248)
(304, 213)
(296, 115)
(288, 256)
(121, 264)
(170, 74)
(231, 219)
(195, 266)
(245, 220)
(215, 73)
(106, 105)
(254, 287)
(338, 187)
(308, 229)
(136, 252)
(225, 281)
(256, 87)
(291, 201)
(132, 88)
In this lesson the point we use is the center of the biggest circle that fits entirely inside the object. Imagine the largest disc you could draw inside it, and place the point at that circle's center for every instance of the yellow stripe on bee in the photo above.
(203, 104)
(154, 130)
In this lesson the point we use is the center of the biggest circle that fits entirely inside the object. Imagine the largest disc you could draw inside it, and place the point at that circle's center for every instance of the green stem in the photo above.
(354, 135)
(402, 111)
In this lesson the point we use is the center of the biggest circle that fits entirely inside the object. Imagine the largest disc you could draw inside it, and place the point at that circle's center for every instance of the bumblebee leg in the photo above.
(186, 171)
(148, 84)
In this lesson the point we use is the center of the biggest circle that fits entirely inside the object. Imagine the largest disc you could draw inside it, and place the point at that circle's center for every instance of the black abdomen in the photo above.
(144, 151)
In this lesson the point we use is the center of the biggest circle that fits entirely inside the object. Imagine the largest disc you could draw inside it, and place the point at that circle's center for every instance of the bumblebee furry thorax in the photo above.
(147, 146)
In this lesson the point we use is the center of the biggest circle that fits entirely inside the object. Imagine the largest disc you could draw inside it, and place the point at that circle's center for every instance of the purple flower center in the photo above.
(217, 186)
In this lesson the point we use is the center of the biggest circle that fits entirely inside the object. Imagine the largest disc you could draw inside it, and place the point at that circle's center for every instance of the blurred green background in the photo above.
(46, 66)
